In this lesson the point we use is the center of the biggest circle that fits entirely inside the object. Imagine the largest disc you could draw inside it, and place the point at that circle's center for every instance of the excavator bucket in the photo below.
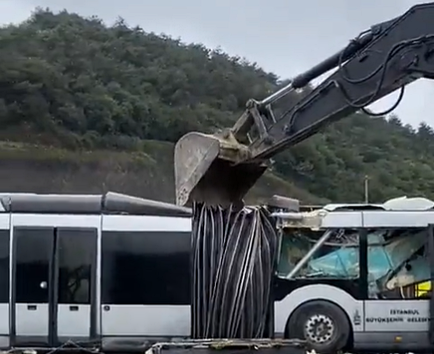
(207, 169)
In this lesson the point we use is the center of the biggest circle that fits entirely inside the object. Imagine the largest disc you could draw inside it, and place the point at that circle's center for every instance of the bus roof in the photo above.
(398, 212)
(108, 203)
(400, 203)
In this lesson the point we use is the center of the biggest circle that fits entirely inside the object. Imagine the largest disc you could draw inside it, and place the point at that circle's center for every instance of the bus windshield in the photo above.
(396, 257)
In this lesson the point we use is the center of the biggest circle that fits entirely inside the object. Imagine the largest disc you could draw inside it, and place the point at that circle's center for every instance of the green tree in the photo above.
(87, 85)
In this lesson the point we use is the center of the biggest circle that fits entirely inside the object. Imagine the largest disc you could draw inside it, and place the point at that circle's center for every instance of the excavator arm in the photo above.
(221, 168)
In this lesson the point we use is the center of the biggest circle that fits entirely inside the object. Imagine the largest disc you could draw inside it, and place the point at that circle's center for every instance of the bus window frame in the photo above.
(363, 262)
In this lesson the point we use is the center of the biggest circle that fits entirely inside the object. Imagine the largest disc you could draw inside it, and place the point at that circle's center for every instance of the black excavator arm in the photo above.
(386, 58)
(222, 168)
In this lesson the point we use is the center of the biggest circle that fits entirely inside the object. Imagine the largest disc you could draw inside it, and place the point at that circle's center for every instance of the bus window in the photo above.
(337, 258)
(146, 267)
(76, 254)
(292, 249)
(33, 253)
(396, 259)
(405, 264)
(4, 266)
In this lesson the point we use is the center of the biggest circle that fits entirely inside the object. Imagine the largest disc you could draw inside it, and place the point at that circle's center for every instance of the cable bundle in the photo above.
(233, 263)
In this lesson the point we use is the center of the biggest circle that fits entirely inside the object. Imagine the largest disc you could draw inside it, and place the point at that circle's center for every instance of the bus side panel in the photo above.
(396, 315)
(145, 274)
(395, 325)
(284, 308)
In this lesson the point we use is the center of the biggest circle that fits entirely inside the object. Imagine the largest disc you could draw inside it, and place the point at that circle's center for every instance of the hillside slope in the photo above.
(93, 108)
(147, 173)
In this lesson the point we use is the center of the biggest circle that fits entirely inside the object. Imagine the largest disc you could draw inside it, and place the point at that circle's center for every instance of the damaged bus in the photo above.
(358, 277)
(112, 272)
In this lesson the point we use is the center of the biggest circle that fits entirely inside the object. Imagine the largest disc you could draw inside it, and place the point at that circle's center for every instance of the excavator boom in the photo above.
(221, 168)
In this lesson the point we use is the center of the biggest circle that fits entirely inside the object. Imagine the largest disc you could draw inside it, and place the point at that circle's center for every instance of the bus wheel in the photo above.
(322, 324)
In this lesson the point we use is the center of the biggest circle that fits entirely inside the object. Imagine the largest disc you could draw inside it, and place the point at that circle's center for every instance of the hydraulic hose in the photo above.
(233, 263)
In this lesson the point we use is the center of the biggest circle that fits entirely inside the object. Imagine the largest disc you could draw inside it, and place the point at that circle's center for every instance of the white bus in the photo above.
(112, 272)
(108, 271)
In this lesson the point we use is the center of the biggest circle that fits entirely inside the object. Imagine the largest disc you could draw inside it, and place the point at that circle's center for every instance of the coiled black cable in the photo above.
(233, 263)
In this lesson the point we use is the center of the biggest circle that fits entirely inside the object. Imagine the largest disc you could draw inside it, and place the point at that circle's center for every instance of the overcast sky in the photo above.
(283, 36)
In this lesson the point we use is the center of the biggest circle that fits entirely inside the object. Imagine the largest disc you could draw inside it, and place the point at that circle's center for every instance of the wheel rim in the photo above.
(319, 329)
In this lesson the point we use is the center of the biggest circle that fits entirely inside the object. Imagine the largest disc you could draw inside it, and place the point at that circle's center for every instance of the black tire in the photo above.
(302, 321)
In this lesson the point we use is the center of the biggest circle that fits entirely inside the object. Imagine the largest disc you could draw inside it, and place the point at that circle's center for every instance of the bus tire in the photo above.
(322, 324)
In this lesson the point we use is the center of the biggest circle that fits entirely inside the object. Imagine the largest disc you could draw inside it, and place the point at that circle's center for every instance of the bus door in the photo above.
(53, 280)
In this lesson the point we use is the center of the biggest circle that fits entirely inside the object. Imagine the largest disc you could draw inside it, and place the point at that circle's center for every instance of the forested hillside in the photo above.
(75, 87)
